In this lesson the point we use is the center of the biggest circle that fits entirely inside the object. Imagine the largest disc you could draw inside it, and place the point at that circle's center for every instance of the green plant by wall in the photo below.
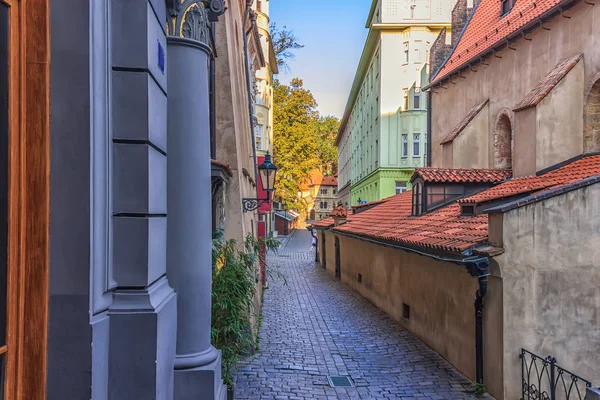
(235, 273)
(480, 389)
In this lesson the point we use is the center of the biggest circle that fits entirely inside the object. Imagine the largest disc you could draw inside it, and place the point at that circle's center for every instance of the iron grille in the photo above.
(339, 381)
(543, 379)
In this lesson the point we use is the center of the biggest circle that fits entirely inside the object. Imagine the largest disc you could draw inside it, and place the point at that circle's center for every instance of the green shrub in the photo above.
(235, 275)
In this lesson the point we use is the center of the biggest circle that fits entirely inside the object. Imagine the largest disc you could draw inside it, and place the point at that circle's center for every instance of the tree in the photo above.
(284, 42)
(302, 140)
(295, 120)
(327, 130)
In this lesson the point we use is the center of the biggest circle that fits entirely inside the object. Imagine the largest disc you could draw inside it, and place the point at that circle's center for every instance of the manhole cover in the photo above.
(339, 381)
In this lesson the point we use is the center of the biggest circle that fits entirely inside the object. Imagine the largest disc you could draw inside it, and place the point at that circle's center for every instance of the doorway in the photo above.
(323, 252)
(338, 264)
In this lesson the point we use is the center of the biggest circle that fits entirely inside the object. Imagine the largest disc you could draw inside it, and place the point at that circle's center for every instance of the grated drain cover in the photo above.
(339, 381)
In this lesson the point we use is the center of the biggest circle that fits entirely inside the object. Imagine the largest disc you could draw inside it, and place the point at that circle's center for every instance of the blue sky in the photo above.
(333, 33)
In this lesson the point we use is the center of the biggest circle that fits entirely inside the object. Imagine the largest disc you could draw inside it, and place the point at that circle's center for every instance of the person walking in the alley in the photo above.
(314, 244)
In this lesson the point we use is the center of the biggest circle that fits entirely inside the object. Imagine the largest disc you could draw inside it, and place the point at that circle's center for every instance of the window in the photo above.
(406, 56)
(416, 145)
(334, 190)
(325, 205)
(400, 187)
(321, 205)
(417, 208)
(404, 150)
(258, 137)
(441, 194)
(507, 5)
(323, 191)
(417, 102)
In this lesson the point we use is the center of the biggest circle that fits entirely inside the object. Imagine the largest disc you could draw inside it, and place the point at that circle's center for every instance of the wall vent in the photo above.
(405, 311)
(359, 278)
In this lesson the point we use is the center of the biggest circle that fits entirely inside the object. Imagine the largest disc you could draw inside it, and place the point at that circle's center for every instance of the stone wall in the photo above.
(524, 68)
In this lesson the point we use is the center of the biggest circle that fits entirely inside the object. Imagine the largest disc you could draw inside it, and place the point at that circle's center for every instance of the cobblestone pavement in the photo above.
(316, 326)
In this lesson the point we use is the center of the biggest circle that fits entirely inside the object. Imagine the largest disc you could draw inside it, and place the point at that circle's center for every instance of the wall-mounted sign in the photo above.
(161, 57)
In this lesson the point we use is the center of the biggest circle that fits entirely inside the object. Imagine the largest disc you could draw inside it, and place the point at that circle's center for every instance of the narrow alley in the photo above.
(316, 327)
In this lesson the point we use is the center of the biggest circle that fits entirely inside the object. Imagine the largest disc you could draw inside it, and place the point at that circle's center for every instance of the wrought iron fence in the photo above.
(543, 379)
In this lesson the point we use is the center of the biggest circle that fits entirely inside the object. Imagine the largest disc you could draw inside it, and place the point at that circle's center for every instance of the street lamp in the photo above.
(267, 171)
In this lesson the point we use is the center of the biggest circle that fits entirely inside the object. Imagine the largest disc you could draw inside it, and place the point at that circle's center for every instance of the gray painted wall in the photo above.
(111, 306)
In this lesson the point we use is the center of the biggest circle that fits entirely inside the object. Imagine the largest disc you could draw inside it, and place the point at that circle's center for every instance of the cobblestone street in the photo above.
(317, 327)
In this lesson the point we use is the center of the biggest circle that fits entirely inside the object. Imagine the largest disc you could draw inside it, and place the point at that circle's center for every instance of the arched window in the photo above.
(591, 121)
(503, 142)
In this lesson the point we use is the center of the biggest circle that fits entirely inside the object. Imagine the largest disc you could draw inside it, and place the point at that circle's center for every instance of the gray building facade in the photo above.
(130, 277)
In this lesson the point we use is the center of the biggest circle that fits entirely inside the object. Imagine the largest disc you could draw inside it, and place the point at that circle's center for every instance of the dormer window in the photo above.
(434, 188)
(467, 210)
(507, 5)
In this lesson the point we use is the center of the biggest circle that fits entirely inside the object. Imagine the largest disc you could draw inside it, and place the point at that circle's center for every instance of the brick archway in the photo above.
(591, 118)
(503, 141)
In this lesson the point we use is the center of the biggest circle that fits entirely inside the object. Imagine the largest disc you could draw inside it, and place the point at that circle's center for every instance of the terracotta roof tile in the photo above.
(453, 134)
(329, 181)
(462, 175)
(444, 228)
(570, 173)
(551, 79)
(359, 207)
(324, 223)
(487, 28)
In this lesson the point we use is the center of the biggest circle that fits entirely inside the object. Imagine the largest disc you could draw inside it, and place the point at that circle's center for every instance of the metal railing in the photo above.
(543, 379)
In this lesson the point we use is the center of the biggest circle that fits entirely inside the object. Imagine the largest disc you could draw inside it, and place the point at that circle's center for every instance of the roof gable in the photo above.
(549, 82)
(453, 134)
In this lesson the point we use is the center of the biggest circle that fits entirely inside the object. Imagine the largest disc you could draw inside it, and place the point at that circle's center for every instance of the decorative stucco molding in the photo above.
(191, 18)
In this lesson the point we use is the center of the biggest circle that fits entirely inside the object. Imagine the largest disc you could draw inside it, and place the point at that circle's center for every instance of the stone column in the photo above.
(189, 229)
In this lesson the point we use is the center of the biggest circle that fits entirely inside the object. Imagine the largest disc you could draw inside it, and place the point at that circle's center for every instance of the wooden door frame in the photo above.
(29, 198)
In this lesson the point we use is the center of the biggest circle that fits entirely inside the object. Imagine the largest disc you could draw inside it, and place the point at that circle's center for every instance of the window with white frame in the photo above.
(417, 102)
(258, 136)
(400, 187)
(416, 145)
(406, 55)
(404, 148)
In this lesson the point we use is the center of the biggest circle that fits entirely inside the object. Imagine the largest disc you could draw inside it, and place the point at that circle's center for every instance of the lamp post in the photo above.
(267, 171)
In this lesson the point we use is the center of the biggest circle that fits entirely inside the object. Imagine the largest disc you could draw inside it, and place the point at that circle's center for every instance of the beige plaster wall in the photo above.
(505, 81)
(524, 152)
(560, 121)
(551, 271)
(440, 296)
(470, 148)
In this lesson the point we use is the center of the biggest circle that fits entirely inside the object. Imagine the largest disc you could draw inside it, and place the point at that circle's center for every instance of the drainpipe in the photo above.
(249, 87)
(428, 161)
(479, 267)
(213, 101)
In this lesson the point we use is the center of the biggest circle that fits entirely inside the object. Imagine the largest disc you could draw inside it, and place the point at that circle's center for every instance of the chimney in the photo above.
(460, 16)
(339, 215)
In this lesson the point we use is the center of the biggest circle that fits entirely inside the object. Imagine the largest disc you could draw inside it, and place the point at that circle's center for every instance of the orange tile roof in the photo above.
(444, 228)
(487, 28)
(324, 223)
(329, 181)
(569, 173)
(371, 204)
(462, 175)
(552, 79)
(453, 134)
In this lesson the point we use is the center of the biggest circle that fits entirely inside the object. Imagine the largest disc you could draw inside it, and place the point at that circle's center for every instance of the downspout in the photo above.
(428, 161)
(213, 101)
(249, 87)
(478, 267)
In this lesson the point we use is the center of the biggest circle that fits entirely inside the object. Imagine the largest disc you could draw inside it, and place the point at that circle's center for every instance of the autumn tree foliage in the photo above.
(302, 139)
